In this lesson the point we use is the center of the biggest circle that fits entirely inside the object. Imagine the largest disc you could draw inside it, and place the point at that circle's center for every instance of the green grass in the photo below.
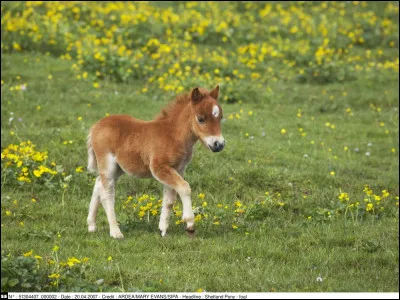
(283, 250)
(314, 116)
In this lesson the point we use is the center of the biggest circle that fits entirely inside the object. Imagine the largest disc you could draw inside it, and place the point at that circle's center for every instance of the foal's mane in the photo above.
(174, 107)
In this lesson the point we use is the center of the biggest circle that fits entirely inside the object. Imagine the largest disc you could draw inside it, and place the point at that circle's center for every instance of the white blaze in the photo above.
(215, 111)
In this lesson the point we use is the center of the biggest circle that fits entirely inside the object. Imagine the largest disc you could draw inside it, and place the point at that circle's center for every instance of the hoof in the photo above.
(190, 232)
(163, 233)
(92, 228)
(117, 235)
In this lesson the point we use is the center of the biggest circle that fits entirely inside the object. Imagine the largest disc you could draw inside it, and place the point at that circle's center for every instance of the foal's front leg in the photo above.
(170, 177)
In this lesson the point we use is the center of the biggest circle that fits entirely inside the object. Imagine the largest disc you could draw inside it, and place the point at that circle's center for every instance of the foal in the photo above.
(161, 148)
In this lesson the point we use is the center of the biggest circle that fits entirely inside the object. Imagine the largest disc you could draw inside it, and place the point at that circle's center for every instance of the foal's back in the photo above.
(109, 133)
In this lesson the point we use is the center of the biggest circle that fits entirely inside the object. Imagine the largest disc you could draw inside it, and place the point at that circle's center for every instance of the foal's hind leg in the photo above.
(94, 205)
(109, 174)
(167, 204)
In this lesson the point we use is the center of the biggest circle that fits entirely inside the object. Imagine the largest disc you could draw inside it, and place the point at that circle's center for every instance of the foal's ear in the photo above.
(214, 92)
(196, 95)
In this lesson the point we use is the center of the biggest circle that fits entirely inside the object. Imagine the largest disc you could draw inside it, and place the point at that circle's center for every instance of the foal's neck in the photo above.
(182, 125)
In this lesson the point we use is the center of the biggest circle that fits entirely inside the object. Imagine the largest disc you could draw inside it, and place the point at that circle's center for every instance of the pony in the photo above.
(160, 148)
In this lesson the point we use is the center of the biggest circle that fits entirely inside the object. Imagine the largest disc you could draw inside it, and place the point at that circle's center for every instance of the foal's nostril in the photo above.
(217, 146)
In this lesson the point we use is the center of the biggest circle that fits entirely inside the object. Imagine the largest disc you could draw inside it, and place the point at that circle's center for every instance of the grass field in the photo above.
(304, 197)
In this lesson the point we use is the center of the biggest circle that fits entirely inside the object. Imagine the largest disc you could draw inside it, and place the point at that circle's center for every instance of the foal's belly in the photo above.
(132, 164)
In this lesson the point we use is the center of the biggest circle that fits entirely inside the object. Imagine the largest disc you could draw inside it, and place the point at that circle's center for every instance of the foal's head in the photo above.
(207, 115)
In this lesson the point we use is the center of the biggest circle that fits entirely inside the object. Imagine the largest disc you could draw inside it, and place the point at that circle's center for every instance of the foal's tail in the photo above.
(92, 163)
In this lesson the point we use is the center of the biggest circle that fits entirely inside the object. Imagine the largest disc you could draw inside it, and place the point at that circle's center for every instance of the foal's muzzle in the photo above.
(214, 142)
(217, 146)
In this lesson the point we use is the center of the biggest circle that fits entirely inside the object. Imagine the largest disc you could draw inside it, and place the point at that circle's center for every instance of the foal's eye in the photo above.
(201, 120)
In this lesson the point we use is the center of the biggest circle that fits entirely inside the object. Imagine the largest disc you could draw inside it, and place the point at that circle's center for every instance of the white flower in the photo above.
(100, 281)
(368, 153)
(319, 278)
